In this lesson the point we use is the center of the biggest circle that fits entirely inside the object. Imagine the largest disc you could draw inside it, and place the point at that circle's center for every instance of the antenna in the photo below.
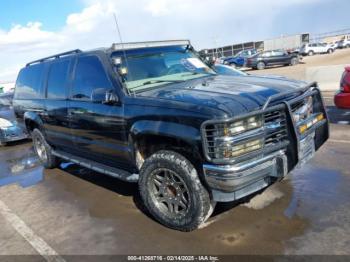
(121, 42)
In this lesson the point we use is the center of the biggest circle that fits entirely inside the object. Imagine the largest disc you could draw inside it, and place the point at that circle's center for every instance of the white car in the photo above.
(345, 43)
(316, 48)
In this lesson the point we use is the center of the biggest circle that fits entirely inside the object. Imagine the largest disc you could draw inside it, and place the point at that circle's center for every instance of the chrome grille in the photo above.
(210, 131)
(275, 127)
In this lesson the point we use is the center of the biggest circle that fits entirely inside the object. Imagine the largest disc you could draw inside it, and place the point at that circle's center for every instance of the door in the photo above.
(267, 58)
(280, 58)
(98, 128)
(318, 48)
(56, 120)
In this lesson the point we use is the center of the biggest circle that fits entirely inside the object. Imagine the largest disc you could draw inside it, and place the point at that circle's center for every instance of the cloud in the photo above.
(142, 20)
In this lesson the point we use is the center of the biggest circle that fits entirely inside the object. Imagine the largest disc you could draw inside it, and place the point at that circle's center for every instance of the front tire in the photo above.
(172, 192)
(330, 51)
(43, 150)
(260, 66)
(293, 61)
(311, 53)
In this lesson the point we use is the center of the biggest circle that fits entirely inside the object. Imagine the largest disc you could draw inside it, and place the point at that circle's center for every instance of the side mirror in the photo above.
(104, 96)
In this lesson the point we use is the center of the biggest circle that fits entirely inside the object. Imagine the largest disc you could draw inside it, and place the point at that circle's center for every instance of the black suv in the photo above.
(156, 114)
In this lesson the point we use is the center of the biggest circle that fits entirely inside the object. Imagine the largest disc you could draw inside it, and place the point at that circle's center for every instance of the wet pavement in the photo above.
(78, 211)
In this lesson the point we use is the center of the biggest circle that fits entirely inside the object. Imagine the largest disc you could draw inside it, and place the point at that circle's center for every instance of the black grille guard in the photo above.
(301, 90)
(305, 91)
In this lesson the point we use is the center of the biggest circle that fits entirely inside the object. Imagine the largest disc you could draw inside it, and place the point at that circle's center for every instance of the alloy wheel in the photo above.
(169, 192)
(40, 148)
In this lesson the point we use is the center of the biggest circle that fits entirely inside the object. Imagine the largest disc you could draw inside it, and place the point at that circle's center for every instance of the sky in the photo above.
(31, 29)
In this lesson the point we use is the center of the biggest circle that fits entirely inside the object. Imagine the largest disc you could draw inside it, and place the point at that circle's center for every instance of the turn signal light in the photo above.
(310, 123)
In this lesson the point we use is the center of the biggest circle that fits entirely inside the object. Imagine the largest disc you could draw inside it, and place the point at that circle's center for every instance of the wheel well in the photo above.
(146, 145)
(30, 125)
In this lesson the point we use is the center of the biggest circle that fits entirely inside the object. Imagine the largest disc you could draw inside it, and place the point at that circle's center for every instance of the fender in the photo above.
(184, 133)
(188, 134)
(34, 117)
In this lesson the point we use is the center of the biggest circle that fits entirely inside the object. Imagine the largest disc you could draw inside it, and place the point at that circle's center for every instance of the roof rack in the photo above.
(135, 45)
(55, 56)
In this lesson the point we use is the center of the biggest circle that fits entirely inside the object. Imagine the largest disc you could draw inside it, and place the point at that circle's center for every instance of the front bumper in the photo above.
(231, 182)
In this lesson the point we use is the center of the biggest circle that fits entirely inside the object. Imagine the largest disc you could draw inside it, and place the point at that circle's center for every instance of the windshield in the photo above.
(153, 67)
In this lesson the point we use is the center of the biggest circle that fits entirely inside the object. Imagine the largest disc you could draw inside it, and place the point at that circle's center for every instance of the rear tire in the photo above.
(172, 192)
(260, 66)
(43, 150)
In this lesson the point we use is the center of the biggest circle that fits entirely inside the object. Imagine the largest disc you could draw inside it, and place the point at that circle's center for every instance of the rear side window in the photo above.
(29, 82)
(57, 79)
(89, 76)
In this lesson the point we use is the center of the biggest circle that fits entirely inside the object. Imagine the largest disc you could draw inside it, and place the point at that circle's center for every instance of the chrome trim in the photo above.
(239, 168)
(228, 183)
(249, 135)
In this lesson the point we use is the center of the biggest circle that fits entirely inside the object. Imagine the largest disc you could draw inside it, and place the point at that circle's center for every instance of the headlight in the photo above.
(228, 149)
(228, 141)
(4, 123)
(235, 128)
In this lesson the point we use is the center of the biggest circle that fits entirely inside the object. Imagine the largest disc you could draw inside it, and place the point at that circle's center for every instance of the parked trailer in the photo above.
(286, 42)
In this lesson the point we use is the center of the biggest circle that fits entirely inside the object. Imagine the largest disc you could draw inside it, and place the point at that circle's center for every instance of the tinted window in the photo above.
(278, 53)
(266, 54)
(29, 82)
(89, 75)
(56, 83)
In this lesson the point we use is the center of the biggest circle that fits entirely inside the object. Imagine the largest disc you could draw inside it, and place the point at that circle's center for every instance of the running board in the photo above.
(107, 170)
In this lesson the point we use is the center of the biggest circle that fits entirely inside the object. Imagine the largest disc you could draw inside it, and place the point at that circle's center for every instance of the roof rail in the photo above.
(134, 45)
(54, 56)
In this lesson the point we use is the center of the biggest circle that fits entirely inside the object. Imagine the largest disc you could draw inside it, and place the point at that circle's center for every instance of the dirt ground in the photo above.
(73, 211)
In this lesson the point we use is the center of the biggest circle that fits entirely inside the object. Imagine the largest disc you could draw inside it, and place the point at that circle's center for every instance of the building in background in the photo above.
(282, 42)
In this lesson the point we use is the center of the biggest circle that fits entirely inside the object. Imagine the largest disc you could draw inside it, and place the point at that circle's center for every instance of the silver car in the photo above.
(9, 130)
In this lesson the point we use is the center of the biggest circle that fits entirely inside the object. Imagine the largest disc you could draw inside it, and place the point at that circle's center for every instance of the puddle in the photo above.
(321, 195)
(20, 166)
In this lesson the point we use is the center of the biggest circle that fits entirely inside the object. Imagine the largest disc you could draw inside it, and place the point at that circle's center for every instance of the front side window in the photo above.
(153, 67)
(266, 54)
(89, 76)
(58, 75)
(278, 53)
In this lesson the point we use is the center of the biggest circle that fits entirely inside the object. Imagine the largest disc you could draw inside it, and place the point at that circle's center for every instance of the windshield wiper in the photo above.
(157, 81)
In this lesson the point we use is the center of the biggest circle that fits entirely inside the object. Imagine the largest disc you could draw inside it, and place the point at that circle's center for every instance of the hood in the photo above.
(231, 94)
